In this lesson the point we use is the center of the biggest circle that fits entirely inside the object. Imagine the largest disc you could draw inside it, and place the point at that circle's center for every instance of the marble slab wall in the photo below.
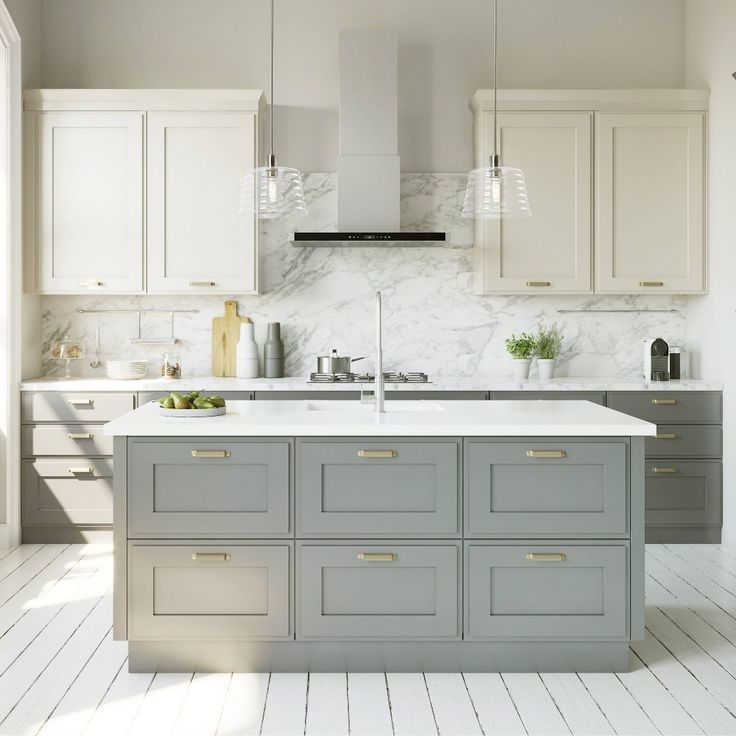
(324, 299)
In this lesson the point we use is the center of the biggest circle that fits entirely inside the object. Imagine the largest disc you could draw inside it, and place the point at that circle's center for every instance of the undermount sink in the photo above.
(392, 407)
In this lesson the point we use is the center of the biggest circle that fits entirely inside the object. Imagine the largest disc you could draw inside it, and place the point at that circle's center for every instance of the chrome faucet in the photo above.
(379, 358)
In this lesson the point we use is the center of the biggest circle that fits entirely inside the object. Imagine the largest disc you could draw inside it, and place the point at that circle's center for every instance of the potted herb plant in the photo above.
(547, 346)
(521, 350)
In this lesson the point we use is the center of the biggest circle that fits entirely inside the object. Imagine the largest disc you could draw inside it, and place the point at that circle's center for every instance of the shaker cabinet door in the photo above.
(90, 202)
(650, 202)
(198, 239)
(550, 251)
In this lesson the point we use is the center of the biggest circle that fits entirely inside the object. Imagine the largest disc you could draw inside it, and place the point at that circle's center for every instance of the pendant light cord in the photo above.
(271, 158)
(495, 83)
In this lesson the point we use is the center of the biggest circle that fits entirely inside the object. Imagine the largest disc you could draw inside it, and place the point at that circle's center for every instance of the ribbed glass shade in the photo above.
(272, 192)
(494, 192)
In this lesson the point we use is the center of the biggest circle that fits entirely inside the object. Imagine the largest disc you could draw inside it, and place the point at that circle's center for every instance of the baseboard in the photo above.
(683, 535)
(4, 536)
(66, 534)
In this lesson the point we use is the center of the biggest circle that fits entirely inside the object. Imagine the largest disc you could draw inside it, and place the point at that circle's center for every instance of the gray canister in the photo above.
(273, 352)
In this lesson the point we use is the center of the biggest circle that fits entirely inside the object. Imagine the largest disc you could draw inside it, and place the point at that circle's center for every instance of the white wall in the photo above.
(444, 57)
(710, 60)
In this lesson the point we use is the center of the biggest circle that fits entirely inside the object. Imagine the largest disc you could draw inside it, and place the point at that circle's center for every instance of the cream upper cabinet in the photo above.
(89, 224)
(650, 202)
(551, 250)
(197, 238)
(139, 191)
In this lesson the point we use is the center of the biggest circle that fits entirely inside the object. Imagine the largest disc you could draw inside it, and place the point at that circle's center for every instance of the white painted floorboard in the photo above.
(61, 674)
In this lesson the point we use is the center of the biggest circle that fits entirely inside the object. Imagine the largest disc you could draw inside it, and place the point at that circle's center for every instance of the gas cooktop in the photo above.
(389, 377)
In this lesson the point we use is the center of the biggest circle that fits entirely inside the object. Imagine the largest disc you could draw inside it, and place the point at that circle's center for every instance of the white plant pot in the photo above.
(546, 368)
(521, 368)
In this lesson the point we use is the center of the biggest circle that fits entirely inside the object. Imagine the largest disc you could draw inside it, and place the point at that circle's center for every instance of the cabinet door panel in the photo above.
(650, 221)
(91, 202)
(551, 250)
(197, 238)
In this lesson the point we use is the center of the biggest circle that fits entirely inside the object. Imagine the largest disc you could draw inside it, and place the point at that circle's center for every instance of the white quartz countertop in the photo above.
(402, 419)
(300, 383)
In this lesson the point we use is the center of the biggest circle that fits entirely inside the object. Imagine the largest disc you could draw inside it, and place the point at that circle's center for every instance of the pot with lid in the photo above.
(335, 363)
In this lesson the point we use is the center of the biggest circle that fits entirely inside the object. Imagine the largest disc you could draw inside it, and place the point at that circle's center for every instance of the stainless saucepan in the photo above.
(335, 363)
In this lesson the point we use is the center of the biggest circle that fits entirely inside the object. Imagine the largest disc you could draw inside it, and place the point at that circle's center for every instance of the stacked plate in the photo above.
(127, 370)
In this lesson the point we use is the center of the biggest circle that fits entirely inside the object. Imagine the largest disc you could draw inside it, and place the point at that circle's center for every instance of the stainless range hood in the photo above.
(368, 167)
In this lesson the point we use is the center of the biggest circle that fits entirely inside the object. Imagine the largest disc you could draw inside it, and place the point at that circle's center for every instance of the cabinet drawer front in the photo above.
(70, 439)
(209, 591)
(52, 406)
(684, 440)
(596, 397)
(57, 493)
(223, 489)
(683, 493)
(144, 397)
(568, 591)
(379, 488)
(669, 406)
(384, 590)
(582, 490)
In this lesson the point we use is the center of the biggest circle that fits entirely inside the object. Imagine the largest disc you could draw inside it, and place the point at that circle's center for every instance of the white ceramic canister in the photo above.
(246, 354)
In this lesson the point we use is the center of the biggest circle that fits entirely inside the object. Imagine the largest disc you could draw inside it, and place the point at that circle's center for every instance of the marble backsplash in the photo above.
(324, 299)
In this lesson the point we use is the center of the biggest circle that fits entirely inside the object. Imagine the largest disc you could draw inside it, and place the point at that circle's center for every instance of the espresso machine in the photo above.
(656, 360)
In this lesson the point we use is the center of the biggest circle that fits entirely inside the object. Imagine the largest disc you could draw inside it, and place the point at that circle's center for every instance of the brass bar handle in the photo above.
(377, 556)
(546, 556)
(89, 284)
(201, 283)
(664, 470)
(377, 453)
(665, 436)
(651, 283)
(538, 283)
(546, 453)
(81, 471)
(211, 556)
(81, 402)
(211, 453)
(80, 436)
(664, 402)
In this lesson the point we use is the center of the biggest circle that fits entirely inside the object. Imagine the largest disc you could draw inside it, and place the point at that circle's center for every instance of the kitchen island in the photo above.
(439, 536)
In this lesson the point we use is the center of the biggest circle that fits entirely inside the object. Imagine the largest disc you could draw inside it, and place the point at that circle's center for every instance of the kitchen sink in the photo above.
(392, 407)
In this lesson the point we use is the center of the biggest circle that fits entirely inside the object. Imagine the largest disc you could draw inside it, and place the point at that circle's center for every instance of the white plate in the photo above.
(216, 412)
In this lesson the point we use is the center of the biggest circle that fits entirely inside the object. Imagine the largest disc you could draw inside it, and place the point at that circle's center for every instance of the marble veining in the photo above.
(324, 299)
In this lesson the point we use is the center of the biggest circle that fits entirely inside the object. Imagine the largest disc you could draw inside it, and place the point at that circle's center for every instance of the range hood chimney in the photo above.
(368, 165)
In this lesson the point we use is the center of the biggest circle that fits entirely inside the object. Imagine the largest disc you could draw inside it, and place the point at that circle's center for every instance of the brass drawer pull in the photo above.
(546, 453)
(664, 402)
(81, 471)
(546, 556)
(377, 453)
(80, 436)
(89, 284)
(651, 283)
(664, 470)
(538, 283)
(211, 556)
(81, 402)
(666, 436)
(211, 453)
(201, 283)
(377, 556)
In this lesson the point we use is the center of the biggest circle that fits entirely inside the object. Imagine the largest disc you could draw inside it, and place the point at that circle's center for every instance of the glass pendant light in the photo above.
(496, 191)
(273, 191)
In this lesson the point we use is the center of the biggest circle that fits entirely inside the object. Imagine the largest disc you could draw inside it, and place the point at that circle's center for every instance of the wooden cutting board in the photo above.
(225, 338)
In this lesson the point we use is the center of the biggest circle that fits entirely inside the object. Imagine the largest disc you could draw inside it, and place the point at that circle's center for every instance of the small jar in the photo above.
(170, 365)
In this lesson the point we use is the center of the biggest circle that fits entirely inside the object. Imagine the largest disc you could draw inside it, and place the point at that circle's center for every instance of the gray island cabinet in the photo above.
(439, 536)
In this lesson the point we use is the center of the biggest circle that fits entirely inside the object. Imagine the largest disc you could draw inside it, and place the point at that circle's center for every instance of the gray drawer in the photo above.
(686, 440)
(336, 395)
(689, 496)
(59, 439)
(57, 406)
(238, 592)
(430, 395)
(62, 493)
(171, 492)
(583, 492)
(145, 396)
(597, 397)
(583, 596)
(343, 593)
(679, 407)
(342, 490)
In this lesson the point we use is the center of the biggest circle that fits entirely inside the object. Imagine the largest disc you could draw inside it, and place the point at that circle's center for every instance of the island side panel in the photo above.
(120, 539)
(637, 516)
